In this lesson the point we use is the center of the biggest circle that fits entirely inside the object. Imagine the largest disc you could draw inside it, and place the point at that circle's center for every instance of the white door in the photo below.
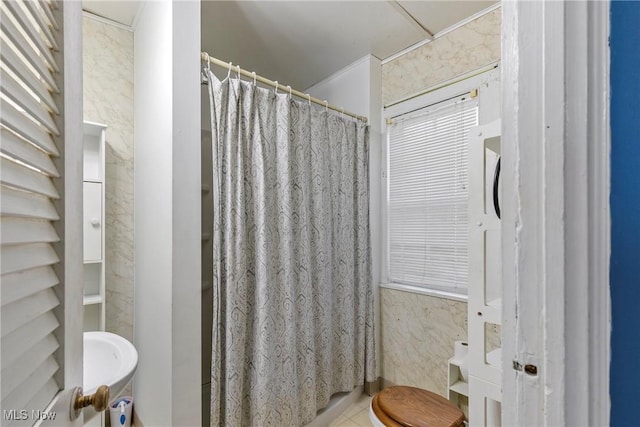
(41, 210)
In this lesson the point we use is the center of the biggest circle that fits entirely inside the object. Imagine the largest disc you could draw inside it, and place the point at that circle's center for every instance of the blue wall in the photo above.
(625, 211)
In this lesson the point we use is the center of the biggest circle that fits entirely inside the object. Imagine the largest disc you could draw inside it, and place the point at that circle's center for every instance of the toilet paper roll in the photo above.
(460, 350)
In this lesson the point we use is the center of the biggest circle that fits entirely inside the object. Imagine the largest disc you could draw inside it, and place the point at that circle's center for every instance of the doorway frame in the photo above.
(556, 224)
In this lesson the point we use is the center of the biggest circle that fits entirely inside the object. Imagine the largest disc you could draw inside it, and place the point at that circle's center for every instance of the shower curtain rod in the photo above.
(205, 57)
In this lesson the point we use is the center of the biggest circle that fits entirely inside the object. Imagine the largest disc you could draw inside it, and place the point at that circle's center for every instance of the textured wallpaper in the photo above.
(458, 52)
(418, 332)
(418, 335)
(107, 54)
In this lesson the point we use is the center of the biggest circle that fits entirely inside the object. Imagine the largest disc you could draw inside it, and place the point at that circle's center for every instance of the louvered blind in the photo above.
(427, 195)
(27, 126)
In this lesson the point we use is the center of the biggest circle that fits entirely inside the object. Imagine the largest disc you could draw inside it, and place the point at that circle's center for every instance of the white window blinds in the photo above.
(27, 173)
(427, 195)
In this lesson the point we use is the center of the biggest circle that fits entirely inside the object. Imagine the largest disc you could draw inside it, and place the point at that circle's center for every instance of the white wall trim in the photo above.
(525, 225)
(555, 213)
(107, 21)
(454, 296)
(69, 228)
(532, 221)
(468, 19)
(186, 243)
(136, 17)
(406, 50)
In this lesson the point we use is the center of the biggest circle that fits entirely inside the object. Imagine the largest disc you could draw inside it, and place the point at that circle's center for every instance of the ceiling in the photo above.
(121, 11)
(302, 42)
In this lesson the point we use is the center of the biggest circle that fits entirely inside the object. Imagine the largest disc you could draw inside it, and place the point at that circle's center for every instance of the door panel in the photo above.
(41, 227)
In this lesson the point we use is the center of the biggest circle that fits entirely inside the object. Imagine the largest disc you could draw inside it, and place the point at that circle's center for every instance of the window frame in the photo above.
(487, 83)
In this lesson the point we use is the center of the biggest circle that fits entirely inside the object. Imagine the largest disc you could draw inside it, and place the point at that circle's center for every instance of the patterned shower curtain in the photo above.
(293, 302)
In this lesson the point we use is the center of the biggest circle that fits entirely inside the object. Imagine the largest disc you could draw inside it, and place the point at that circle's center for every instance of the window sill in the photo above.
(426, 291)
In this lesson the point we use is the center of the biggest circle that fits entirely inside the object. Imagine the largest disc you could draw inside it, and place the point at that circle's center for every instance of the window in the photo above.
(427, 224)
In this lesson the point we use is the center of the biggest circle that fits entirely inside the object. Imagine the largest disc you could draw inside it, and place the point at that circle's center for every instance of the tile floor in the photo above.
(356, 415)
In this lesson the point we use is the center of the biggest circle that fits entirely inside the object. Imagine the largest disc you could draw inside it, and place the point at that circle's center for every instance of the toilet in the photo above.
(403, 406)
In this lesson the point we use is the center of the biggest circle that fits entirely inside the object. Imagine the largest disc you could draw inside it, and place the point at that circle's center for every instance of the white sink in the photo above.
(108, 359)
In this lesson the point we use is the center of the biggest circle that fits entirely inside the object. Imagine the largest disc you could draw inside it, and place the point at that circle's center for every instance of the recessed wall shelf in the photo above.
(456, 385)
(485, 279)
(460, 387)
(92, 299)
(93, 226)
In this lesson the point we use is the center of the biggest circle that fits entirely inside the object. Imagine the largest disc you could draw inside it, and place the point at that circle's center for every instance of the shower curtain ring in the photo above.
(326, 105)
(289, 87)
(309, 99)
(230, 67)
(254, 77)
(208, 59)
(238, 70)
(276, 87)
(342, 113)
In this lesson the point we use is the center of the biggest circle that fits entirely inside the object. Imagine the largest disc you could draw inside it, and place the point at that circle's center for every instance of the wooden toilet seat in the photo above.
(403, 406)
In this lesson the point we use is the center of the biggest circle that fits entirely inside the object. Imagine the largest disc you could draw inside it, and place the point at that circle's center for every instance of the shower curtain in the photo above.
(293, 302)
